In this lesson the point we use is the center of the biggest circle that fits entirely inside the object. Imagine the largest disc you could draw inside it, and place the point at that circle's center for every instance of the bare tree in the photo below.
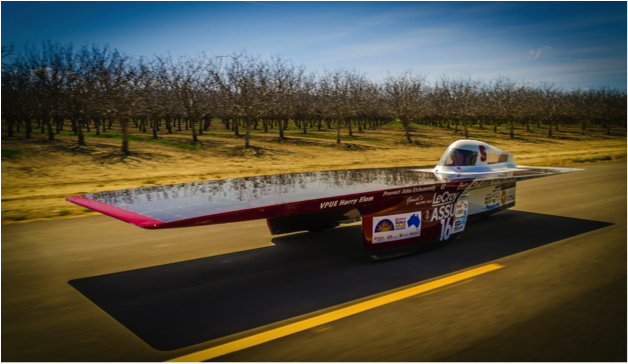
(403, 97)
(549, 98)
(247, 83)
(116, 81)
(337, 89)
(459, 95)
(508, 96)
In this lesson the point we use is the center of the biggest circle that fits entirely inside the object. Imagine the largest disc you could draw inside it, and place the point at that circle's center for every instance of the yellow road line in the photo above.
(306, 324)
(442, 289)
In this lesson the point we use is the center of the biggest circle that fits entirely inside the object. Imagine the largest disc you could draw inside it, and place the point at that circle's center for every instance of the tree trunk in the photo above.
(236, 126)
(51, 135)
(247, 135)
(349, 125)
(406, 126)
(281, 124)
(28, 128)
(512, 129)
(10, 127)
(549, 123)
(466, 131)
(304, 126)
(81, 136)
(192, 126)
(583, 127)
(125, 136)
(338, 125)
(57, 125)
(154, 125)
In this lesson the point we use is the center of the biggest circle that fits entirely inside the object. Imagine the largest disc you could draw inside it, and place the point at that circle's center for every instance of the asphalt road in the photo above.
(97, 289)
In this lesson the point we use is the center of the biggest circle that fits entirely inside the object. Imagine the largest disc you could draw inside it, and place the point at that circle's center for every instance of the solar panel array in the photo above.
(188, 200)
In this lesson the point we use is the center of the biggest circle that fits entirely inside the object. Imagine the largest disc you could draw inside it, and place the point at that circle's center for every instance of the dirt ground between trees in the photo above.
(38, 175)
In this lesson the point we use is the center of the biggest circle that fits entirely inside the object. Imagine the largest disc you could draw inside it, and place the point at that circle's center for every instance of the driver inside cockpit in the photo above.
(461, 157)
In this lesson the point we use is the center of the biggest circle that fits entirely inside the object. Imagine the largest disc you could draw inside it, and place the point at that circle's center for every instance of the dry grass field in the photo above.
(37, 174)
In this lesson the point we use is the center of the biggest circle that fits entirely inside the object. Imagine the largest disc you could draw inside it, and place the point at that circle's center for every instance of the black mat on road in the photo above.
(182, 304)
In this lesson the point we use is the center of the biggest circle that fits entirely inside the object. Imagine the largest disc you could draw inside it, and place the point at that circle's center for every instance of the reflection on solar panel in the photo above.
(192, 200)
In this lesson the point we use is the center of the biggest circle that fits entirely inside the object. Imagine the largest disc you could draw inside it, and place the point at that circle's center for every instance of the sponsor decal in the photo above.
(407, 191)
(459, 224)
(463, 185)
(338, 203)
(400, 223)
(510, 196)
(489, 182)
(475, 184)
(462, 209)
(504, 197)
(396, 227)
(444, 198)
(422, 189)
(508, 185)
(492, 198)
(439, 213)
(384, 225)
(417, 200)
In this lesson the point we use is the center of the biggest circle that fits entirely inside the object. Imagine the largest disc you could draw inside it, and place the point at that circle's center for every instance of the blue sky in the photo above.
(573, 44)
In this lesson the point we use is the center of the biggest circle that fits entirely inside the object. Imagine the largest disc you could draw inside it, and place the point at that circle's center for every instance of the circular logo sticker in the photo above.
(384, 225)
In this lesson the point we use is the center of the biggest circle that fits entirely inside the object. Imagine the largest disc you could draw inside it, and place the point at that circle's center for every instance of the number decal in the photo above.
(445, 229)
(482, 153)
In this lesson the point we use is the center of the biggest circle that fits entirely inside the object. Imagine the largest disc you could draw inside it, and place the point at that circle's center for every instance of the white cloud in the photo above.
(535, 54)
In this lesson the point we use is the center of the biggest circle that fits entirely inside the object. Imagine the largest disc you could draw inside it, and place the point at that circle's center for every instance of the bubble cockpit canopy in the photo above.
(474, 157)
